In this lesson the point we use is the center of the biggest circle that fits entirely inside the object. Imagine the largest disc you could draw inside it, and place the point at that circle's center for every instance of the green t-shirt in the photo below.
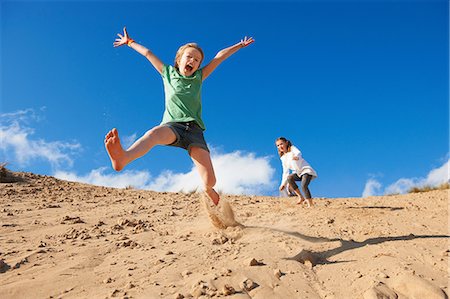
(183, 96)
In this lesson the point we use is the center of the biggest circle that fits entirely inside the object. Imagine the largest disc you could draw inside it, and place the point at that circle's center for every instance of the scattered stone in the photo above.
(129, 285)
(199, 289)
(179, 296)
(306, 255)
(219, 240)
(115, 293)
(100, 223)
(382, 275)
(4, 266)
(186, 273)
(227, 290)
(277, 273)
(309, 265)
(20, 263)
(72, 234)
(108, 280)
(248, 285)
(253, 262)
(225, 272)
(71, 220)
(127, 243)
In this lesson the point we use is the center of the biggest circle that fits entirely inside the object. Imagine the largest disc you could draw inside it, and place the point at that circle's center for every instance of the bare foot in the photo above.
(212, 194)
(115, 150)
(300, 200)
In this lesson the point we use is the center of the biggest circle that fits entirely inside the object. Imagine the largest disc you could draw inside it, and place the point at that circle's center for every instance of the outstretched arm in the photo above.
(224, 54)
(125, 39)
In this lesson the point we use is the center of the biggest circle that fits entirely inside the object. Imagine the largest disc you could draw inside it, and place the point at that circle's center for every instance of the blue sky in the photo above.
(361, 87)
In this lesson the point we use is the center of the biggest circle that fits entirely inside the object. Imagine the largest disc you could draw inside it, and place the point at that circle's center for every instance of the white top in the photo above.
(300, 166)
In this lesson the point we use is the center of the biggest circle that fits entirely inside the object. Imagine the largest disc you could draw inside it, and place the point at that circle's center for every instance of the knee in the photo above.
(290, 179)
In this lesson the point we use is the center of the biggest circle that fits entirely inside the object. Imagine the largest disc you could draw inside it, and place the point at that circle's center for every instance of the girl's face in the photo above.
(282, 146)
(189, 61)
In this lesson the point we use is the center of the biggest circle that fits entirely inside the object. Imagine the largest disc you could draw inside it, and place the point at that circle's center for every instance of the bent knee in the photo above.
(291, 179)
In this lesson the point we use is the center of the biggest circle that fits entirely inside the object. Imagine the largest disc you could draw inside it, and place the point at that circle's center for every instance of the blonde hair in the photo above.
(289, 144)
(184, 47)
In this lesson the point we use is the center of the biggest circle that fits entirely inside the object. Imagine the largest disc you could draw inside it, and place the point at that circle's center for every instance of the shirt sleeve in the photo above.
(165, 70)
(296, 152)
(285, 171)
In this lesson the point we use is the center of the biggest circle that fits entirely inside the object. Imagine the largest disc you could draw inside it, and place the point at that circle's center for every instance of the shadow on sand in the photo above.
(323, 256)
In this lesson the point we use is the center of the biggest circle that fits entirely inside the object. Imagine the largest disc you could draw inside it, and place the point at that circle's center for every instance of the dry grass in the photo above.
(443, 186)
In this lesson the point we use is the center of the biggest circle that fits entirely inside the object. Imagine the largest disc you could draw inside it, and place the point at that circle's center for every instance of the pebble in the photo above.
(253, 262)
(227, 290)
(248, 284)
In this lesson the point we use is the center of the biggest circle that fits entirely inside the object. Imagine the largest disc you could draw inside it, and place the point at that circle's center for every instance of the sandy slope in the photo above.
(61, 239)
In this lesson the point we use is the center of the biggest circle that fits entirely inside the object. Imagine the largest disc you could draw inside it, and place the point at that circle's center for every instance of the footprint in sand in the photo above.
(222, 215)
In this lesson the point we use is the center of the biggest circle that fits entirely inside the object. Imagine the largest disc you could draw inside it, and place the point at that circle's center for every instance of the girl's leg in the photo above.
(120, 157)
(202, 161)
(306, 179)
(291, 180)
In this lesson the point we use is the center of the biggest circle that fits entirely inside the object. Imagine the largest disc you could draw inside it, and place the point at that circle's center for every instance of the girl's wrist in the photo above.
(130, 41)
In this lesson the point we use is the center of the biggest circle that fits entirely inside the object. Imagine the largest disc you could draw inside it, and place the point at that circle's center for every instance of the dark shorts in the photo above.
(188, 134)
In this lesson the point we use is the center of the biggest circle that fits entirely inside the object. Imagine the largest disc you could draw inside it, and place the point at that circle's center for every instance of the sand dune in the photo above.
(62, 239)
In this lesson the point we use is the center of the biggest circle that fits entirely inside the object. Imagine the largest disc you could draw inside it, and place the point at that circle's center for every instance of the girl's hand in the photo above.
(295, 158)
(281, 187)
(123, 39)
(247, 41)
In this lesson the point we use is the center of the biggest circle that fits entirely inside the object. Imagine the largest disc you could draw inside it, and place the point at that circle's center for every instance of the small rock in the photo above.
(225, 272)
(248, 285)
(130, 285)
(227, 290)
(179, 296)
(382, 275)
(186, 273)
(309, 264)
(4, 266)
(277, 273)
(219, 240)
(114, 293)
(253, 262)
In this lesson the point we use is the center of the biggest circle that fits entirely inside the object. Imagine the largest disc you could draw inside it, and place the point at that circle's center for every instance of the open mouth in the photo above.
(189, 68)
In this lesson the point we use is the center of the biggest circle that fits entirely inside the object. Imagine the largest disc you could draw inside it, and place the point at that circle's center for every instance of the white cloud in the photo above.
(434, 178)
(18, 145)
(236, 173)
(136, 179)
(371, 188)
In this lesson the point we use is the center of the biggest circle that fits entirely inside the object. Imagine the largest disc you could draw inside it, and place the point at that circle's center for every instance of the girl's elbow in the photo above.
(148, 54)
